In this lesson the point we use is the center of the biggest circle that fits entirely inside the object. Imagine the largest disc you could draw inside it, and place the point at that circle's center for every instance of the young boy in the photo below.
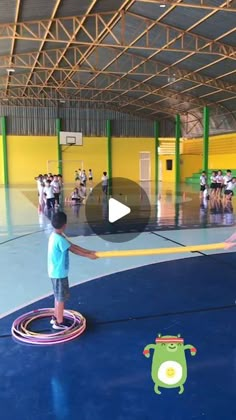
(58, 265)
(104, 183)
(203, 183)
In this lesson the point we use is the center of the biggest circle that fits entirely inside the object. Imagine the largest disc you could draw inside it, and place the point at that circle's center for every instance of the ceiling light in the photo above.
(171, 78)
(162, 5)
(10, 70)
(62, 101)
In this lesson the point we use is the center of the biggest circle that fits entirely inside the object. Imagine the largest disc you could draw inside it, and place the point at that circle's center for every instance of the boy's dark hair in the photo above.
(105, 173)
(59, 219)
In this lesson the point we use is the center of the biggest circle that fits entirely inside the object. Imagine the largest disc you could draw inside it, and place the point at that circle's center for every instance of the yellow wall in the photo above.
(27, 157)
(222, 154)
(1, 162)
(30, 155)
(125, 156)
(93, 153)
(222, 161)
(189, 164)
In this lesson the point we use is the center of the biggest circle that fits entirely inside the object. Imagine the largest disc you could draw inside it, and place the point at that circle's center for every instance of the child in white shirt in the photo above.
(48, 191)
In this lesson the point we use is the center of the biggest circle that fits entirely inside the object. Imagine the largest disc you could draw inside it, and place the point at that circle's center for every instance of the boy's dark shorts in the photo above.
(202, 187)
(61, 289)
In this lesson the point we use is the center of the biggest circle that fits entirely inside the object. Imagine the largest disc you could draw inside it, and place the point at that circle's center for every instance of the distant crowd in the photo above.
(49, 188)
(219, 184)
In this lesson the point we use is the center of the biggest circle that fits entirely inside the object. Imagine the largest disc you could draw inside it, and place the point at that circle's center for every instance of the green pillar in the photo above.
(59, 151)
(109, 154)
(4, 146)
(205, 138)
(177, 151)
(156, 135)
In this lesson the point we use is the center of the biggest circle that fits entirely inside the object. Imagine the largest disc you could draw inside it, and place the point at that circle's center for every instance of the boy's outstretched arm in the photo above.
(231, 241)
(83, 252)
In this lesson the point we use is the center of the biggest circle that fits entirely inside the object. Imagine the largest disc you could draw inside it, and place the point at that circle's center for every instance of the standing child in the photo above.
(229, 190)
(58, 265)
(90, 177)
(213, 183)
(227, 177)
(50, 200)
(56, 189)
(105, 183)
(219, 182)
(203, 183)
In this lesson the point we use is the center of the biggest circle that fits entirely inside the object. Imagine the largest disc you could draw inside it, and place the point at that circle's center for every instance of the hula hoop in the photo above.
(21, 332)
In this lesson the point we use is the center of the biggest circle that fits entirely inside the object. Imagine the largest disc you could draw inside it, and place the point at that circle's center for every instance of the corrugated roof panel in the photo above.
(216, 25)
(182, 85)
(231, 105)
(149, 10)
(81, 77)
(35, 10)
(7, 11)
(158, 81)
(218, 96)
(231, 78)
(136, 77)
(133, 28)
(201, 90)
(107, 6)
(169, 57)
(22, 46)
(184, 17)
(73, 8)
(229, 39)
(197, 61)
(101, 57)
(220, 68)
(209, 2)
(54, 45)
(134, 95)
(153, 98)
(2, 72)
(140, 52)
(101, 82)
(5, 46)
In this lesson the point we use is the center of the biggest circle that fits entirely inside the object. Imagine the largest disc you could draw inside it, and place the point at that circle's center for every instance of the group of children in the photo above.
(81, 176)
(49, 188)
(219, 183)
(79, 193)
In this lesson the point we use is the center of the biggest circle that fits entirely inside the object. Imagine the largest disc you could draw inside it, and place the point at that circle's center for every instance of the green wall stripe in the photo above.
(4, 145)
(177, 150)
(59, 151)
(205, 138)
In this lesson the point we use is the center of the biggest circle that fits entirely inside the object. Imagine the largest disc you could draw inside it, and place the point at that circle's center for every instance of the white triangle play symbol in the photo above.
(116, 210)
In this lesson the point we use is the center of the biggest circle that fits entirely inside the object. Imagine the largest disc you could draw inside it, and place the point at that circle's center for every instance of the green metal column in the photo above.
(4, 146)
(205, 138)
(59, 151)
(109, 154)
(156, 135)
(177, 151)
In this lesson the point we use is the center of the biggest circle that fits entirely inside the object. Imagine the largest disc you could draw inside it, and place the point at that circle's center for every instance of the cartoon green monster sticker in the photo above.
(169, 367)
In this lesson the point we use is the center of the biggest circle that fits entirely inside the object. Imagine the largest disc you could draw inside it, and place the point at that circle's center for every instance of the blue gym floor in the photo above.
(103, 375)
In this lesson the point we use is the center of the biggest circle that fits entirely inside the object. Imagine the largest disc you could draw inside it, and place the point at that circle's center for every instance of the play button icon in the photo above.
(116, 210)
(120, 213)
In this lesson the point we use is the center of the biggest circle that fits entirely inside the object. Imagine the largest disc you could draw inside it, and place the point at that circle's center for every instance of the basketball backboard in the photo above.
(71, 138)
